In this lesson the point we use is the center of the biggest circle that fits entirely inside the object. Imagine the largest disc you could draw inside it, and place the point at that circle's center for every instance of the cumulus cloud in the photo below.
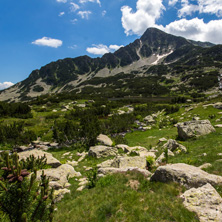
(63, 1)
(102, 49)
(148, 12)
(172, 2)
(197, 29)
(93, 1)
(46, 41)
(74, 7)
(61, 13)
(5, 85)
(104, 13)
(84, 14)
(146, 15)
(201, 6)
(115, 47)
(187, 8)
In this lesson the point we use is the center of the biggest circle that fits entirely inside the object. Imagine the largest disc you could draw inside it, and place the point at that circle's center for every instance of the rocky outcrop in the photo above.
(194, 128)
(205, 202)
(105, 140)
(102, 151)
(187, 175)
(39, 153)
(126, 162)
(173, 145)
(59, 175)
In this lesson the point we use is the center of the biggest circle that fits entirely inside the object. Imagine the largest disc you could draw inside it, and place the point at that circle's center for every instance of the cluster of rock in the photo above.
(58, 175)
(38, 145)
(202, 198)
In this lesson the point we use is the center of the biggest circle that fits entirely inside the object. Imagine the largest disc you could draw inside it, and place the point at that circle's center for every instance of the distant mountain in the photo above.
(158, 63)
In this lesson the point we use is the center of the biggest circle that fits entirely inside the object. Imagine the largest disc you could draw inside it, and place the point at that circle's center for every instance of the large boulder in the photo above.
(102, 151)
(126, 162)
(39, 153)
(194, 128)
(205, 202)
(59, 175)
(105, 140)
(187, 175)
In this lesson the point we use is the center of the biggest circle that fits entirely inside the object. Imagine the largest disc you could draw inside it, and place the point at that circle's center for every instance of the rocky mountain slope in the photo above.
(155, 64)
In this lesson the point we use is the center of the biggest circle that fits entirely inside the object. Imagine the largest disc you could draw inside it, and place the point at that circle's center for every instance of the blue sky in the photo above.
(34, 33)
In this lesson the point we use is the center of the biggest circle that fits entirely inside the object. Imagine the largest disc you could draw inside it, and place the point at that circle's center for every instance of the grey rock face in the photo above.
(194, 128)
(187, 175)
(102, 151)
(205, 202)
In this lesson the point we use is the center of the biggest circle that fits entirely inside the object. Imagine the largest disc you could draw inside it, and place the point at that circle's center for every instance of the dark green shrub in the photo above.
(22, 198)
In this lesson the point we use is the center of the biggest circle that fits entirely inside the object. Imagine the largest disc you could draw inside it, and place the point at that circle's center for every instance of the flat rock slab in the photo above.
(194, 128)
(126, 162)
(102, 151)
(205, 202)
(105, 140)
(39, 153)
(187, 175)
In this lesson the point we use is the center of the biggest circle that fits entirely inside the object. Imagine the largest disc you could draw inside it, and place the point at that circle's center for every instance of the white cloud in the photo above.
(211, 7)
(5, 85)
(98, 49)
(46, 41)
(84, 14)
(197, 29)
(61, 13)
(201, 6)
(102, 49)
(93, 1)
(74, 7)
(187, 9)
(172, 2)
(115, 47)
(148, 11)
(63, 1)
(104, 13)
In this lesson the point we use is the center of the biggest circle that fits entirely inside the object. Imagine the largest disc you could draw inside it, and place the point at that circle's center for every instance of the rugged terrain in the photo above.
(157, 155)
(156, 64)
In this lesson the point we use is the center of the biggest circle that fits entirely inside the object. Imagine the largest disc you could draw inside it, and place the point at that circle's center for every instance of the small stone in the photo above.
(205, 166)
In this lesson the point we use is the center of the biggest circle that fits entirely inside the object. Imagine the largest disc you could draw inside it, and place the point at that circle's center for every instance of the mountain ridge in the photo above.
(153, 48)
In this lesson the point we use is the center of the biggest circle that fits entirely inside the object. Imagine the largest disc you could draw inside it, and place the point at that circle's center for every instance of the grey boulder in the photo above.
(184, 174)
(194, 128)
